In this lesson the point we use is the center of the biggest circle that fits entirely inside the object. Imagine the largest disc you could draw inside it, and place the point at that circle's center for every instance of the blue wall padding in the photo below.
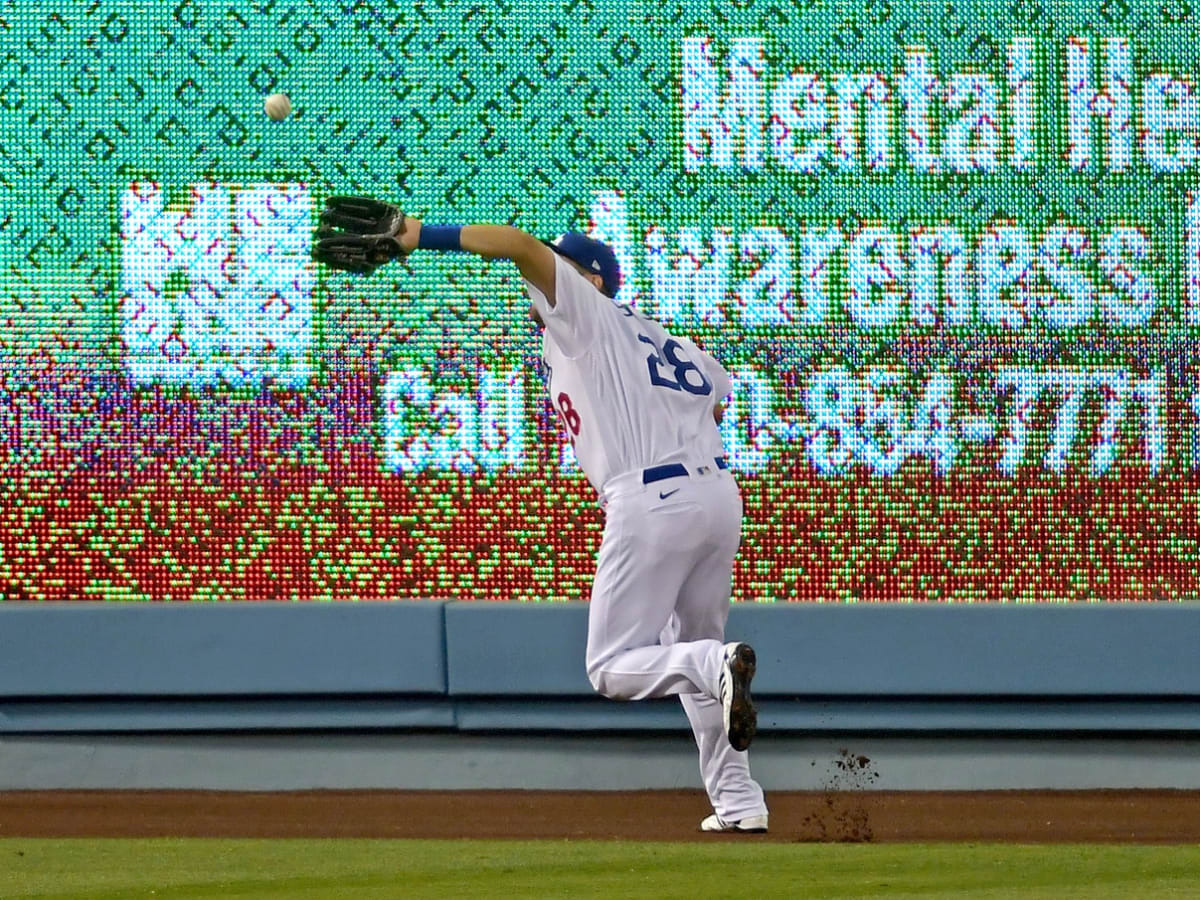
(500, 666)
(584, 714)
(1085, 650)
(501, 649)
(293, 713)
(244, 648)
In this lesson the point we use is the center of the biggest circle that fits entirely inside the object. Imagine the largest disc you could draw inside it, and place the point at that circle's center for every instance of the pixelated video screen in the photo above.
(949, 252)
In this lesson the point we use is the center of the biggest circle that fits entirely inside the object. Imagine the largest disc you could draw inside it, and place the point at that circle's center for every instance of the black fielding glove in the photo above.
(358, 234)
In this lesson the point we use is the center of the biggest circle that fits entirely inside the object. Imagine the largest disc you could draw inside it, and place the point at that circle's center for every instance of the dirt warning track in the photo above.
(877, 816)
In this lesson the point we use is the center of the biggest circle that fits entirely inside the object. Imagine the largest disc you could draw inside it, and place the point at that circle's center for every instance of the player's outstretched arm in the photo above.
(534, 260)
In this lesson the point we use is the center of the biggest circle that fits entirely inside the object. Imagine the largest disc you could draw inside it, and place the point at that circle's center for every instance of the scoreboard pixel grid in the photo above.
(950, 254)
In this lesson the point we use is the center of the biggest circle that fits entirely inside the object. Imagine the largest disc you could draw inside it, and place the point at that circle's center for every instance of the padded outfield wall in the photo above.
(469, 695)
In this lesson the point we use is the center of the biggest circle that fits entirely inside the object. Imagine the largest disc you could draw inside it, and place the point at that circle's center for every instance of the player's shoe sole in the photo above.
(741, 719)
(748, 825)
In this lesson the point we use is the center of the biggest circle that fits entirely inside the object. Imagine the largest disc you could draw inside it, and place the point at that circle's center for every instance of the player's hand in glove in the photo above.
(360, 234)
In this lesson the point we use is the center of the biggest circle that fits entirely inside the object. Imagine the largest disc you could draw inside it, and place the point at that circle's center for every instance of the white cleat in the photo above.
(741, 719)
(748, 825)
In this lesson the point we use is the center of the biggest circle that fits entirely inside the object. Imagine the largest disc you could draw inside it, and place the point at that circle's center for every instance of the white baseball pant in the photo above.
(659, 605)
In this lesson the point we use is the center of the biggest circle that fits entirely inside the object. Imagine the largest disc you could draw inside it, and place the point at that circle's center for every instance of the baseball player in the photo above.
(640, 407)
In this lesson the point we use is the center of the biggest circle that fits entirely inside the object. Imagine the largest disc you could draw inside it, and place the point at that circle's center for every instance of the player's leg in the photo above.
(702, 611)
(732, 791)
(649, 548)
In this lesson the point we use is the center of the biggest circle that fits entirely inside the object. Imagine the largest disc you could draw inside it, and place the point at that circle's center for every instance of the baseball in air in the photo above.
(278, 106)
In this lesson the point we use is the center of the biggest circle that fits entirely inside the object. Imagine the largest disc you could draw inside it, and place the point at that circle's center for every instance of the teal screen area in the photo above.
(949, 253)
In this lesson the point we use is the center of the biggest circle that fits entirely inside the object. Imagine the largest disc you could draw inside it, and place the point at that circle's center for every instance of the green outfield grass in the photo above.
(324, 869)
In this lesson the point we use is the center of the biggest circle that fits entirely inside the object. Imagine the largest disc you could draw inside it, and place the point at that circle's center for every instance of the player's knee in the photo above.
(596, 677)
(602, 682)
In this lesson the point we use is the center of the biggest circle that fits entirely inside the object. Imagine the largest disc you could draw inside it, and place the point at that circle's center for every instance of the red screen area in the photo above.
(217, 495)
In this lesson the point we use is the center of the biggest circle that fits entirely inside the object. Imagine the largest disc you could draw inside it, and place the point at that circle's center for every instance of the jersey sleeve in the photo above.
(721, 382)
(575, 318)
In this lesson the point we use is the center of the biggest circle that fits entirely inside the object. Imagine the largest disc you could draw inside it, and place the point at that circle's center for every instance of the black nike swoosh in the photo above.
(662, 496)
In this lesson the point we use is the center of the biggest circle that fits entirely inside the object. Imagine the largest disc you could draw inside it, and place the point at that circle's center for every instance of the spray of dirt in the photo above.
(841, 816)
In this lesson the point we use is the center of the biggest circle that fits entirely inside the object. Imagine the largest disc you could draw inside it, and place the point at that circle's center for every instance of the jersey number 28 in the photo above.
(667, 361)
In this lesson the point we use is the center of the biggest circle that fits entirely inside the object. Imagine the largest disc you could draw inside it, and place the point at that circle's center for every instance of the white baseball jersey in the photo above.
(630, 395)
